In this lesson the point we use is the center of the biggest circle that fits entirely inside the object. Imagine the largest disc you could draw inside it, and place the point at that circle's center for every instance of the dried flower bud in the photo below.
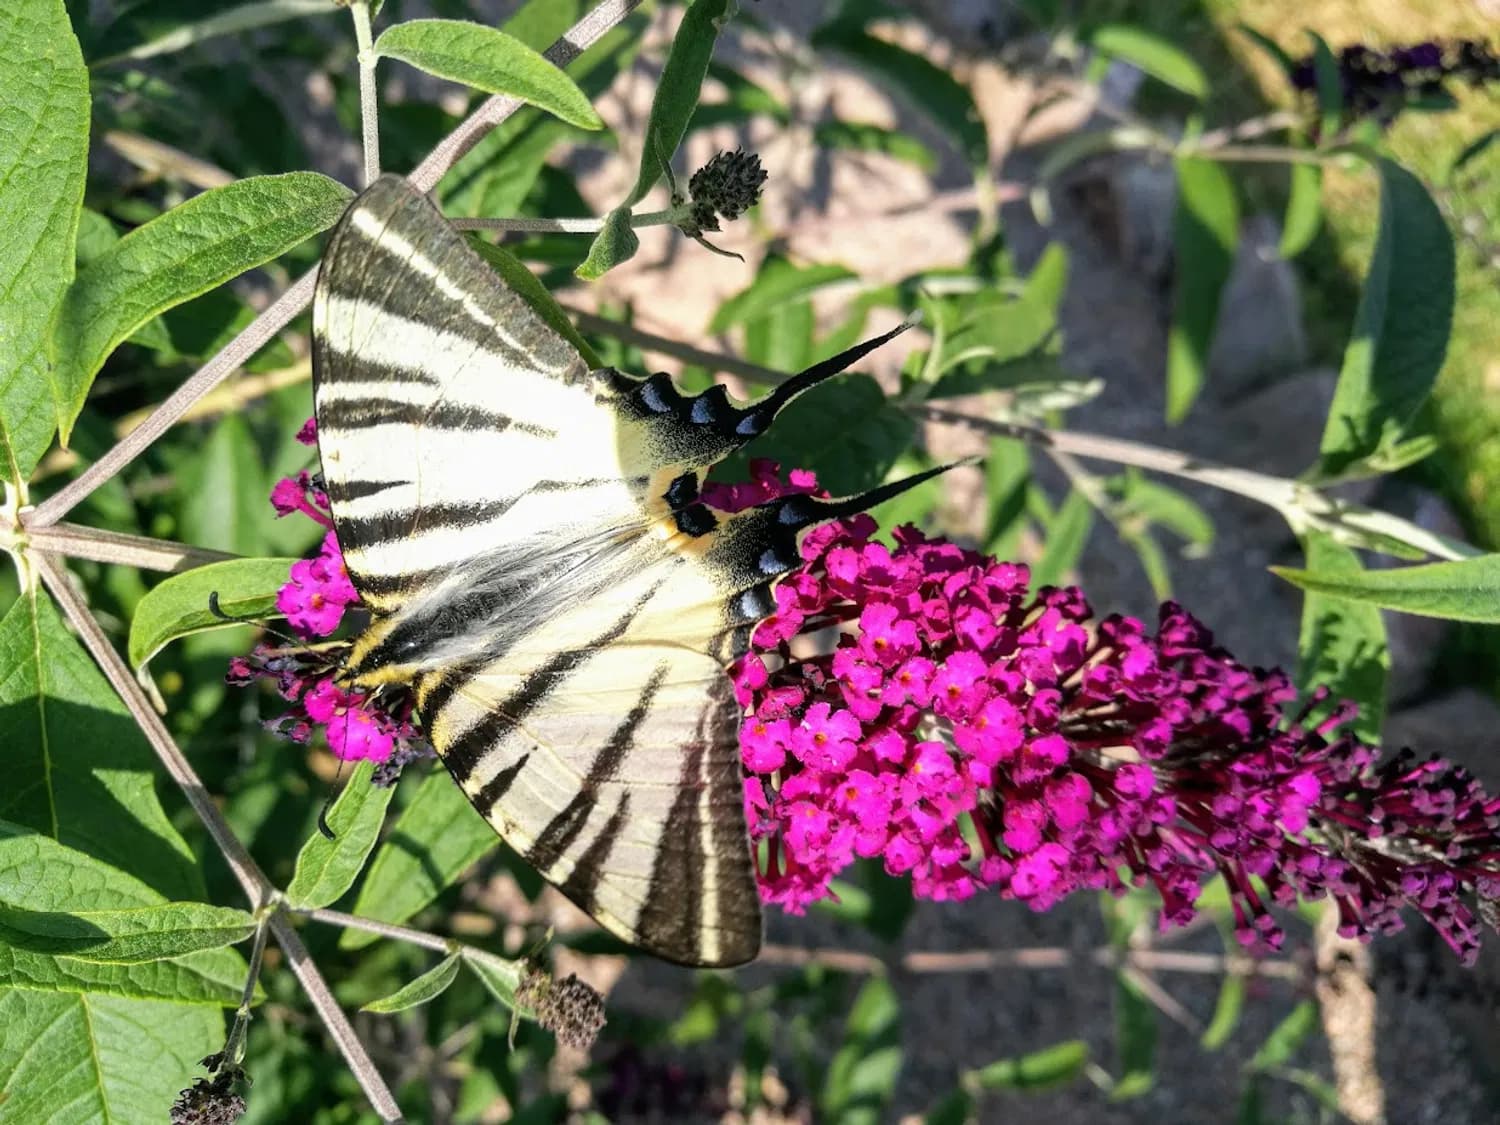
(726, 187)
(211, 1101)
(569, 1008)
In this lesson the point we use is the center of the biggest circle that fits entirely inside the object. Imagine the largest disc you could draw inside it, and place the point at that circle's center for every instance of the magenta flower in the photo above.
(956, 704)
(318, 593)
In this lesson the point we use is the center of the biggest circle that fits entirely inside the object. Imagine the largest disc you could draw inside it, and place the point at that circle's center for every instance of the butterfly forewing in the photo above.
(498, 507)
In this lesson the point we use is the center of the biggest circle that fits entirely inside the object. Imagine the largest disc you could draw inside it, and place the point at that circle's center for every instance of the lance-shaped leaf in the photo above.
(861, 1077)
(677, 91)
(1205, 229)
(1402, 326)
(676, 97)
(777, 282)
(233, 21)
(430, 985)
(488, 60)
(177, 256)
(1342, 645)
(41, 876)
(436, 839)
(44, 144)
(932, 90)
(524, 282)
(179, 606)
(1152, 54)
(501, 977)
(1039, 1070)
(77, 767)
(1467, 590)
(327, 868)
(125, 936)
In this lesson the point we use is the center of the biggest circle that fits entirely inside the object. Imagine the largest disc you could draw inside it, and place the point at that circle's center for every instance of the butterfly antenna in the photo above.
(328, 800)
(224, 615)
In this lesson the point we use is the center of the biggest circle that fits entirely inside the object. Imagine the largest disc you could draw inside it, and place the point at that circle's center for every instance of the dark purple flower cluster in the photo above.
(975, 734)
(1377, 83)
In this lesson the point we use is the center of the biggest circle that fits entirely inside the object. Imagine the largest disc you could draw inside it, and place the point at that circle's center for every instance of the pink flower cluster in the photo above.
(921, 704)
(314, 601)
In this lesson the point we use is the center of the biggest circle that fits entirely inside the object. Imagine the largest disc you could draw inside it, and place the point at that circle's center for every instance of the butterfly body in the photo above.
(528, 535)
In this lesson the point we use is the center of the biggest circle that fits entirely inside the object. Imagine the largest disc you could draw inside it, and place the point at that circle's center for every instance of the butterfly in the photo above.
(542, 574)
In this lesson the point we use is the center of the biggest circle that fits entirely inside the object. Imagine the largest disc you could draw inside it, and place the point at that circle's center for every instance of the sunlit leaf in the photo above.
(326, 868)
(1205, 230)
(178, 606)
(44, 144)
(1467, 590)
(430, 985)
(489, 60)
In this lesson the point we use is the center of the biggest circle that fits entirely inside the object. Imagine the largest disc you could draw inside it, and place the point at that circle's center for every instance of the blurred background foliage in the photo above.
(840, 1023)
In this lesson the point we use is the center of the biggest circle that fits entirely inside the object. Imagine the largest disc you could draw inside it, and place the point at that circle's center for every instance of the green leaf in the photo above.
(1040, 1070)
(1401, 328)
(430, 985)
(488, 60)
(1304, 209)
(1007, 476)
(515, 274)
(1342, 645)
(1286, 1037)
(945, 101)
(1272, 49)
(77, 766)
(146, 933)
(1467, 590)
(1330, 87)
(744, 100)
(1473, 151)
(1205, 230)
(778, 282)
(70, 1058)
(677, 91)
(1135, 1039)
(500, 976)
(872, 432)
(862, 137)
(616, 242)
(327, 868)
(189, 250)
(1227, 1009)
(178, 606)
(1145, 500)
(495, 177)
(44, 145)
(1067, 535)
(957, 1108)
(1152, 54)
(234, 21)
(39, 875)
(861, 1078)
(436, 839)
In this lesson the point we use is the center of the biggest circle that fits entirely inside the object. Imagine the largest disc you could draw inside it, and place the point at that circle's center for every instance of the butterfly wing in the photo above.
(529, 536)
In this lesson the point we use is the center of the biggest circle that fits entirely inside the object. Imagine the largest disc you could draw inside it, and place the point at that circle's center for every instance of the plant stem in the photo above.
(256, 334)
(384, 929)
(258, 889)
(75, 541)
(492, 112)
(369, 109)
(234, 1045)
(566, 226)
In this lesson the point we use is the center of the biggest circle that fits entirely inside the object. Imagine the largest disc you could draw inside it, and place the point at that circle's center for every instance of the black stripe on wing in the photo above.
(353, 413)
(466, 750)
(553, 842)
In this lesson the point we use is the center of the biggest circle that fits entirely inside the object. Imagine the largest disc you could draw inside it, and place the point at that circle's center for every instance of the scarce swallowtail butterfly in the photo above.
(528, 536)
